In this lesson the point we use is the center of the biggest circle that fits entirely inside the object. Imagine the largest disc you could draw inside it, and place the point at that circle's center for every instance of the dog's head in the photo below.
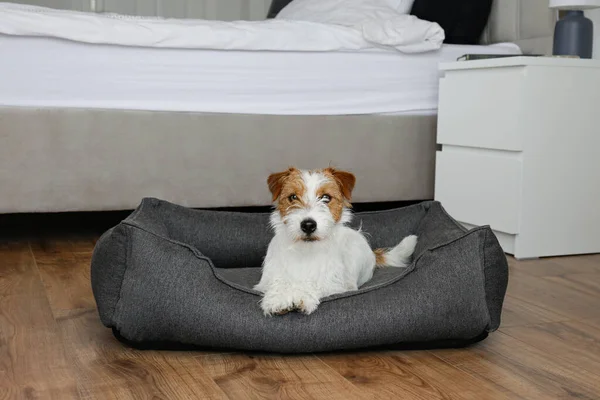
(309, 204)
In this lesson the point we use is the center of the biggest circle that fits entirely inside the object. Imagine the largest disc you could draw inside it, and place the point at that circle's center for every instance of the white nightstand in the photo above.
(520, 151)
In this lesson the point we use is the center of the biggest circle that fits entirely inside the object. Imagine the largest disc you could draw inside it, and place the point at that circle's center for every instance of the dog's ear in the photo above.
(345, 180)
(276, 181)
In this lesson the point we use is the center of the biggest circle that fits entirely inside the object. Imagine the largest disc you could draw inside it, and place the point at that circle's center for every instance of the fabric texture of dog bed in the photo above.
(170, 275)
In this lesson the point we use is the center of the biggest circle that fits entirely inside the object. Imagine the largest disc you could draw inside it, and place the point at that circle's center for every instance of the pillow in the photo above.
(463, 20)
(344, 12)
(385, 23)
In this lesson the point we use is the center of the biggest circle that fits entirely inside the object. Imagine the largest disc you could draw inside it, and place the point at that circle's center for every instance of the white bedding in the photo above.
(409, 34)
(48, 72)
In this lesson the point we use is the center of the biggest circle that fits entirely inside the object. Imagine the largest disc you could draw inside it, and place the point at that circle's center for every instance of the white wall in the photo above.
(594, 15)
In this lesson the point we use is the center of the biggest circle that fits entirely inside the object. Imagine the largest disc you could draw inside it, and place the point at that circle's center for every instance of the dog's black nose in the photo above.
(308, 226)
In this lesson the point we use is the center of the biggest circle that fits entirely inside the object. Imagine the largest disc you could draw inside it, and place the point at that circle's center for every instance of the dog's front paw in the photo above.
(280, 302)
(276, 305)
(308, 304)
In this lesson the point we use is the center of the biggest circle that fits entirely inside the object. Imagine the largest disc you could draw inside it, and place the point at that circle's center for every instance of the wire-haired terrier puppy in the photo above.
(314, 254)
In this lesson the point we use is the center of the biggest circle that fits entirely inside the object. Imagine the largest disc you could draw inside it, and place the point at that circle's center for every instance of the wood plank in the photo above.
(517, 312)
(106, 369)
(527, 372)
(552, 295)
(411, 375)
(33, 362)
(580, 264)
(557, 266)
(17, 269)
(264, 377)
(585, 283)
(574, 342)
(64, 266)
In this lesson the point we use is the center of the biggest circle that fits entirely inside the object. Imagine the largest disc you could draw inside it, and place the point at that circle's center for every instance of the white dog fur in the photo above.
(307, 262)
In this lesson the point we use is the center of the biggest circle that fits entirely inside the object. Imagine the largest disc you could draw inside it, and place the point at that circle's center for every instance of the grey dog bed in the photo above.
(169, 275)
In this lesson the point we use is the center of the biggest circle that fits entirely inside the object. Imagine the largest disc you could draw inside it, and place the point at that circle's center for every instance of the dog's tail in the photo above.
(398, 256)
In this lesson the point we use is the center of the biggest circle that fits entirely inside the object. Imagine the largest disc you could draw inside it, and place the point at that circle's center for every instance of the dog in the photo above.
(313, 253)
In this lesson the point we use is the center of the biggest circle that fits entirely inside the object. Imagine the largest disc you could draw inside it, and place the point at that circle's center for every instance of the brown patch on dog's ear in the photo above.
(276, 181)
(345, 180)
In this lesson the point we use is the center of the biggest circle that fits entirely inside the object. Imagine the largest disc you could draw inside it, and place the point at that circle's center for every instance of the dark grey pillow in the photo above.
(463, 21)
(168, 275)
(276, 7)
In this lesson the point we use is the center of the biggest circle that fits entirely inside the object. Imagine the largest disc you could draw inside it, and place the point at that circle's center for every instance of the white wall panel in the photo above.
(594, 15)
(205, 9)
(80, 5)
(227, 10)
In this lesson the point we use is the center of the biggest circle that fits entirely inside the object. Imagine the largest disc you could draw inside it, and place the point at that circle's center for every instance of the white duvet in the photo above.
(404, 33)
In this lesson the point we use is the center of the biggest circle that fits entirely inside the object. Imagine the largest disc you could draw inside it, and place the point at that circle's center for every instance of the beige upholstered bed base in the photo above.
(74, 160)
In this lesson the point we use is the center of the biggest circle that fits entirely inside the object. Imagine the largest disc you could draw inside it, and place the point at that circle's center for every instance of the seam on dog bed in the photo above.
(483, 264)
(97, 250)
(232, 285)
(339, 296)
(495, 312)
(128, 236)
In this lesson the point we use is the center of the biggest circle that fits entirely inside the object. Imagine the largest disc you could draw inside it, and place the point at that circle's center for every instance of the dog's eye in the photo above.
(326, 198)
(293, 197)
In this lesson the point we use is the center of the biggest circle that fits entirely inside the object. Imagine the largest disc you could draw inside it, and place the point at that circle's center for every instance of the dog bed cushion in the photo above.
(170, 275)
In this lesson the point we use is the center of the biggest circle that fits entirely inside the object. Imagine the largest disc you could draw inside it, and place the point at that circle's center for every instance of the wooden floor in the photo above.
(52, 345)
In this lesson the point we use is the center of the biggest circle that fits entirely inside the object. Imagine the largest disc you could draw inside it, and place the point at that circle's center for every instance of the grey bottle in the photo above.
(574, 35)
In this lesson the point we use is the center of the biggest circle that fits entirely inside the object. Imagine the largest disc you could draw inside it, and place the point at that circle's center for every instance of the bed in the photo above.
(92, 124)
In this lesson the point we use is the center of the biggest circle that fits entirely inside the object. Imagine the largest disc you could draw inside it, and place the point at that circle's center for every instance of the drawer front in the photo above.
(480, 187)
(481, 108)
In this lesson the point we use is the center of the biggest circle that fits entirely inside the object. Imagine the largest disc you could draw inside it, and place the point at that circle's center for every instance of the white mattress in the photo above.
(50, 72)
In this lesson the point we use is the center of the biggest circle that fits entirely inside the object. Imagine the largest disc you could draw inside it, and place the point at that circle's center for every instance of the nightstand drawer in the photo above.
(481, 108)
(480, 187)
